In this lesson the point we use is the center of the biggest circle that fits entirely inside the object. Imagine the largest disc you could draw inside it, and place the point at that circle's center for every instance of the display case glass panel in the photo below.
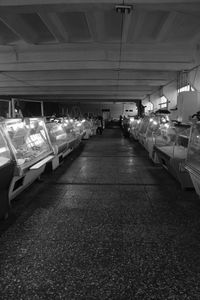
(68, 125)
(144, 124)
(4, 108)
(77, 127)
(193, 155)
(154, 126)
(29, 140)
(57, 134)
(181, 142)
(135, 128)
(5, 155)
(165, 138)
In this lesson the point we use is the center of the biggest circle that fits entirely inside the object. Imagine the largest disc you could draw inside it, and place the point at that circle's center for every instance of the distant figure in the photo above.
(120, 120)
(99, 125)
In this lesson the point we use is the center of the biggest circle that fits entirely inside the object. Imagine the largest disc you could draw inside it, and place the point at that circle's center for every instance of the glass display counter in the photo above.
(193, 156)
(6, 174)
(143, 129)
(29, 141)
(171, 145)
(31, 149)
(69, 128)
(74, 130)
(88, 129)
(58, 136)
(134, 130)
(133, 124)
(156, 123)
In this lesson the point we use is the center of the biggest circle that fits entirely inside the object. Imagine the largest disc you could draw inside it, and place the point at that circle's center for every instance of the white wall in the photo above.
(171, 93)
(194, 78)
(116, 109)
(129, 107)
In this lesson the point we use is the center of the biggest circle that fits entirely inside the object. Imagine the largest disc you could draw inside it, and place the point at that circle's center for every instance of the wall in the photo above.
(155, 99)
(171, 93)
(130, 109)
(116, 109)
(194, 78)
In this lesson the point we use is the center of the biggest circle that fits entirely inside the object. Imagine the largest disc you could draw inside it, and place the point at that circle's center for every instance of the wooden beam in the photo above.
(55, 26)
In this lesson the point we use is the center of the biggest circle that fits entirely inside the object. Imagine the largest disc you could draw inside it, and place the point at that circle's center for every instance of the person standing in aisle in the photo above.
(99, 126)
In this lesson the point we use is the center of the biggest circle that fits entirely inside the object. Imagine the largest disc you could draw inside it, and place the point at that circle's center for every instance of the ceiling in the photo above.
(83, 50)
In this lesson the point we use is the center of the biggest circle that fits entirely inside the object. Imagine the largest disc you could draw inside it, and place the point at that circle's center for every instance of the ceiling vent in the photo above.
(123, 9)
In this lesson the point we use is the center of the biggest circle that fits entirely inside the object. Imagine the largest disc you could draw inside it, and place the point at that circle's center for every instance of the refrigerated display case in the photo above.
(143, 129)
(6, 174)
(88, 129)
(31, 149)
(155, 122)
(134, 130)
(171, 149)
(133, 124)
(59, 140)
(94, 126)
(193, 156)
(72, 134)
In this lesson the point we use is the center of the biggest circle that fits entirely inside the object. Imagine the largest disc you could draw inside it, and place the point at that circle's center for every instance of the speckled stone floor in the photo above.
(107, 224)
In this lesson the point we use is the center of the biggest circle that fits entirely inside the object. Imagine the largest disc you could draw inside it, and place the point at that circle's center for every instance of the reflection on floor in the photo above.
(107, 224)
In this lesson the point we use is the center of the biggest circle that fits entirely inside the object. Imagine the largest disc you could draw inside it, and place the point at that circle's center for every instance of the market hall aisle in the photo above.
(107, 224)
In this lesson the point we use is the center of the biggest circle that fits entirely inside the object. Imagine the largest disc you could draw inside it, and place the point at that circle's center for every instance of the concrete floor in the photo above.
(107, 224)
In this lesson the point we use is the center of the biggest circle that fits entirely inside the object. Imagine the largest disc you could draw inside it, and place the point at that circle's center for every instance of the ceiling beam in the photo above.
(137, 25)
(20, 27)
(86, 83)
(98, 65)
(48, 2)
(55, 26)
(165, 26)
(127, 21)
(91, 26)
(89, 75)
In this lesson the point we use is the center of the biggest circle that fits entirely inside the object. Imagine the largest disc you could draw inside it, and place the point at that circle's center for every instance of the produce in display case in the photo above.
(31, 148)
(193, 156)
(171, 149)
(6, 174)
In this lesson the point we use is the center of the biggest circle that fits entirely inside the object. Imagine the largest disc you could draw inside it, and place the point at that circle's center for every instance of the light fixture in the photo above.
(123, 9)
